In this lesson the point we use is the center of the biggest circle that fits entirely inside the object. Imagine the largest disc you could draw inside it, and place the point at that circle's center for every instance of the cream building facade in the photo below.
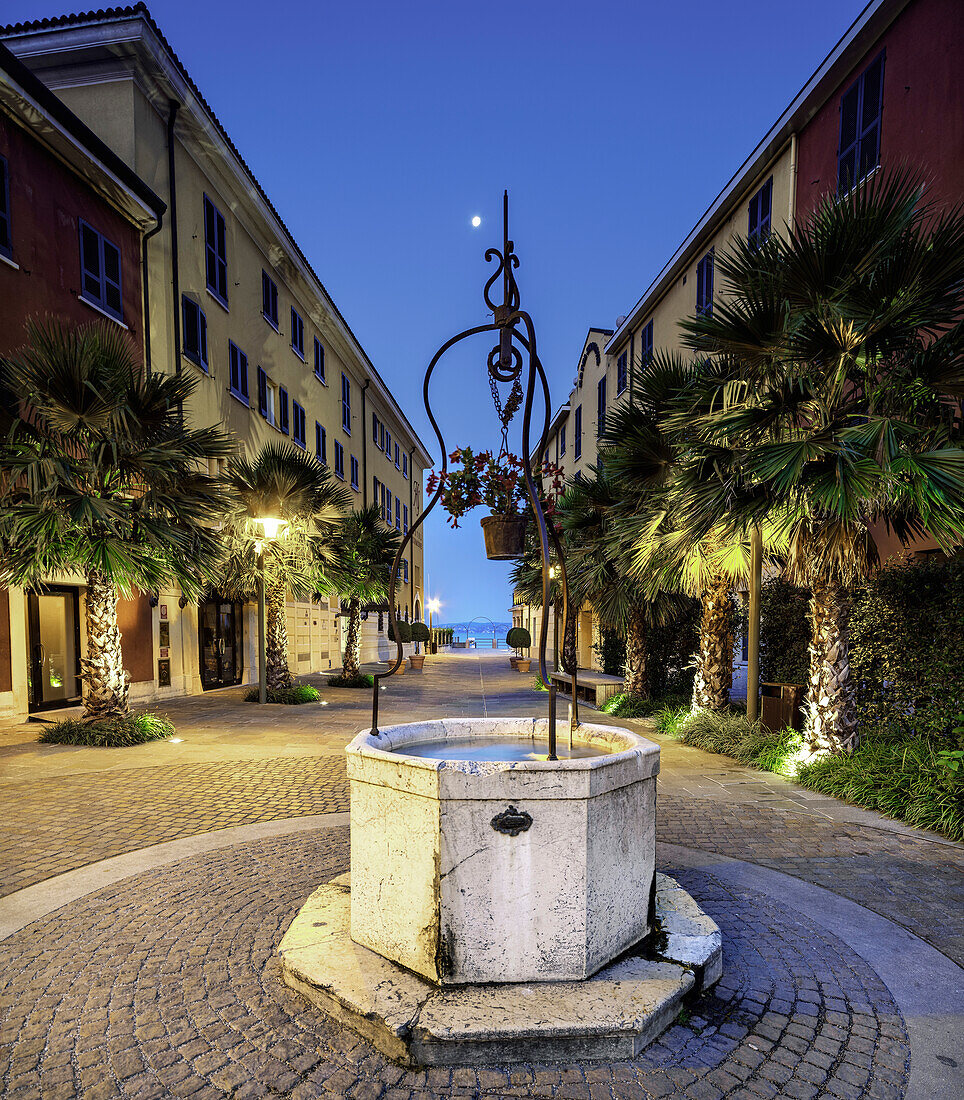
(234, 302)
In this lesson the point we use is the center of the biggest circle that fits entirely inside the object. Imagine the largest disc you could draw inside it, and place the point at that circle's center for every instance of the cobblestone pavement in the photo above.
(71, 821)
(167, 985)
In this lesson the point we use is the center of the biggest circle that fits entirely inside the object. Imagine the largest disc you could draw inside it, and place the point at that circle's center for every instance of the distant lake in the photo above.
(483, 632)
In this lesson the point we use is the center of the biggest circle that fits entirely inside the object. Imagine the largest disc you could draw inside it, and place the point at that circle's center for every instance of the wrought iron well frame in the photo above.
(504, 364)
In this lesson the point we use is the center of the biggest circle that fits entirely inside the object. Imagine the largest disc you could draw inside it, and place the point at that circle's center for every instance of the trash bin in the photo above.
(781, 705)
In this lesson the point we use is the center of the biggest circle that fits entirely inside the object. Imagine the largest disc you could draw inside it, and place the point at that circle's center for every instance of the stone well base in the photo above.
(612, 1015)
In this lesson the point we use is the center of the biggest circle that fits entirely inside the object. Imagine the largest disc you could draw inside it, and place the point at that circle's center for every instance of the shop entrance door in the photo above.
(220, 627)
(53, 648)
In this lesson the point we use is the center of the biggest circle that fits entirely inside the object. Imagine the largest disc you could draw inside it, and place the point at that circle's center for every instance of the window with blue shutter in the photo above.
(621, 373)
(238, 370)
(215, 252)
(339, 461)
(405, 519)
(100, 272)
(297, 334)
(6, 225)
(298, 425)
(646, 343)
(858, 151)
(346, 404)
(562, 440)
(320, 361)
(194, 340)
(704, 284)
(269, 299)
(398, 515)
(601, 406)
(282, 423)
(397, 465)
(758, 219)
(374, 428)
(577, 433)
(354, 473)
(404, 465)
(262, 393)
(321, 448)
(388, 444)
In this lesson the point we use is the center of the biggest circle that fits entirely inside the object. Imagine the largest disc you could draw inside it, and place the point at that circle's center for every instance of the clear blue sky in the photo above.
(380, 128)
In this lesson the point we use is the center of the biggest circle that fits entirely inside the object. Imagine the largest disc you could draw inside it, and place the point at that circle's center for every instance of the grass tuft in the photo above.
(108, 733)
(625, 705)
(293, 695)
(362, 680)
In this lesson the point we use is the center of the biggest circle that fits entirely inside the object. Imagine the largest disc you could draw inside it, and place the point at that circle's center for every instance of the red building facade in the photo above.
(72, 223)
(919, 113)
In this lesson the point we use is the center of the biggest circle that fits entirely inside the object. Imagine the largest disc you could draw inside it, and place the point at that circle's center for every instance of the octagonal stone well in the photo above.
(520, 870)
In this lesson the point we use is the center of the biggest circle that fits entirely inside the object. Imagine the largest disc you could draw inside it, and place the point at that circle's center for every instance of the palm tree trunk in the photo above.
(107, 684)
(276, 640)
(831, 711)
(637, 676)
(714, 662)
(352, 641)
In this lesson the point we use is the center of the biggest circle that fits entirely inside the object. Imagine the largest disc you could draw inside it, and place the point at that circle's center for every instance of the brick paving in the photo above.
(167, 985)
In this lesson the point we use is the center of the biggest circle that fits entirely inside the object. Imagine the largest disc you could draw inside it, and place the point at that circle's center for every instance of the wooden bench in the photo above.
(594, 687)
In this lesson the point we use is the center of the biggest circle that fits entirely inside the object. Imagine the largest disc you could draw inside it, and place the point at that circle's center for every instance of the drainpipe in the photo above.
(173, 106)
(792, 201)
(147, 293)
(364, 445)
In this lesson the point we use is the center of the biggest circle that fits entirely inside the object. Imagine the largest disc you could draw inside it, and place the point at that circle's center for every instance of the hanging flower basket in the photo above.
(504, 537)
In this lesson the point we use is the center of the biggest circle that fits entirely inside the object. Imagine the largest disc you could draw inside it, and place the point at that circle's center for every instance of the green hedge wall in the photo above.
(907, 647)
(784, 633)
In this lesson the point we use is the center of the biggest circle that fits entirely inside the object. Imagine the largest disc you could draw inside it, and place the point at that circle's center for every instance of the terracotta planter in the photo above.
(416, 661)
(504, 537)
(513, 661)
(522, 664)
(401, 668)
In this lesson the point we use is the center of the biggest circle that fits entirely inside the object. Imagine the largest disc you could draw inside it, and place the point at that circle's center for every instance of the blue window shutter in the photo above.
(262, 392)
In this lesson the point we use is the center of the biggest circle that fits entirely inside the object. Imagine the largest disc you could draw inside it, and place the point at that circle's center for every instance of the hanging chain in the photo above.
(506, 413)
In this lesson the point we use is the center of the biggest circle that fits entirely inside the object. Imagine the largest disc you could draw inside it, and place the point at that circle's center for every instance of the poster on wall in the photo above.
(165, 635)
(163, 610)
(163, 674)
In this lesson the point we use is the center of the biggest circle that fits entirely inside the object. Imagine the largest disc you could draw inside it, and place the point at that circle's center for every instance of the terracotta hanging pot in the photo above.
(504, 537)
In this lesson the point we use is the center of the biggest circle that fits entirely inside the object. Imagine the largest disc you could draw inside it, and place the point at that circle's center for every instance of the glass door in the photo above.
(220, 639)
(53, 643)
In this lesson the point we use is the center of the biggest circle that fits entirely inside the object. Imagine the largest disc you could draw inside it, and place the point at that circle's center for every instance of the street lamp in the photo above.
(271, 527)
(433, 608)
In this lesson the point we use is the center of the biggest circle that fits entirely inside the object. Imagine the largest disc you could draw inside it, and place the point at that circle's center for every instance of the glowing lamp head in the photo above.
(434, 606)
(271, 526)
(476, 221)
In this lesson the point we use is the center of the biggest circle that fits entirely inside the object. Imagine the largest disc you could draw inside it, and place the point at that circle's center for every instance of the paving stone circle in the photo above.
(166, 985)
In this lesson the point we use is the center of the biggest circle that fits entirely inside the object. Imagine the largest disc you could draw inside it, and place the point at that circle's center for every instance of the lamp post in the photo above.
(433, 608)
(270, 527)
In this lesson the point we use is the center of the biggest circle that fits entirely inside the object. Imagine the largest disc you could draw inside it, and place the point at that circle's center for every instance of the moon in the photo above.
(476, 222)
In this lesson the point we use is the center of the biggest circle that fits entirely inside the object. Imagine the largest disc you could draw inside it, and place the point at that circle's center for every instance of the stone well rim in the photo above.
(387, 746)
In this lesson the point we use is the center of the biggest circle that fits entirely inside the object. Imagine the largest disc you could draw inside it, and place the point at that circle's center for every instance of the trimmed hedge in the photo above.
(518, 638)
(404, 632)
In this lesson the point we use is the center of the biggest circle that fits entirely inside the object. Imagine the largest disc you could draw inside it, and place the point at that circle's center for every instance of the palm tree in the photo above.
(364, 552)
(99, 474)
(641, 450)
(601, 571)
(285, 483)
(834, 351)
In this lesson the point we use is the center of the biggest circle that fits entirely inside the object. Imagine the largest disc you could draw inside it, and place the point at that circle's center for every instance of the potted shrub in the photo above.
(497, 482)
(519, 638)
(419, 635)
(404, 635)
